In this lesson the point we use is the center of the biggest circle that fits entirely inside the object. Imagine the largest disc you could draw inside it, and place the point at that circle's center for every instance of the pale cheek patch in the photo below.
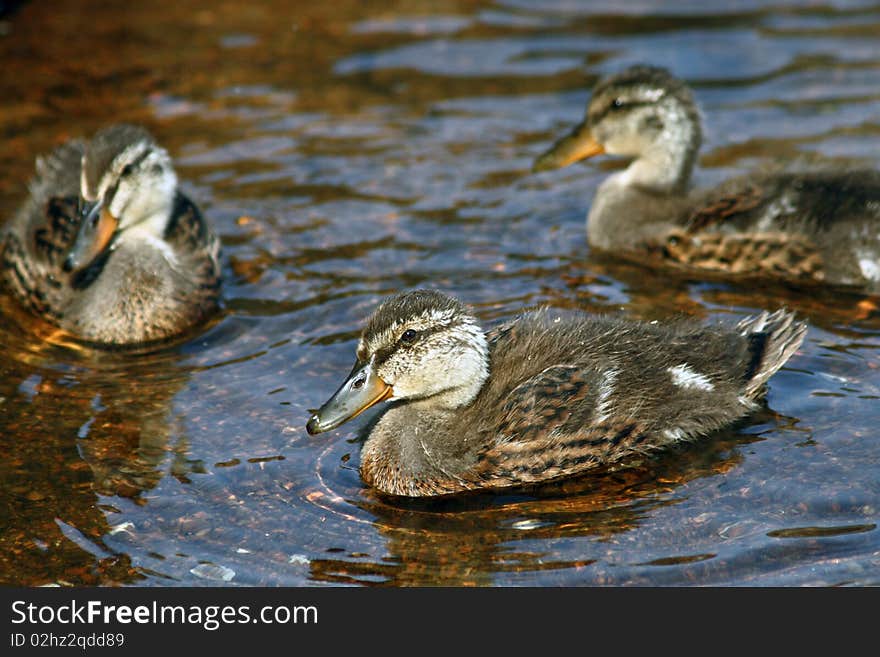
(120, 201)
(684, 377)
(454, 365)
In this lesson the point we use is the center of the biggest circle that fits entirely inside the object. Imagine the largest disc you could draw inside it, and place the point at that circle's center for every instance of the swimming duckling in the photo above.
(107, 247)
(819, 226)
(545, 396)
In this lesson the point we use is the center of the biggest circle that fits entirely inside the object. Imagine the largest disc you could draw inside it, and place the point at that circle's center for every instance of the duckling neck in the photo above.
(667, 167)
(417, 448)
(423, 445)
(635, 203)
(148, 227)
(138, 296)
(147, 237)
(449, 400)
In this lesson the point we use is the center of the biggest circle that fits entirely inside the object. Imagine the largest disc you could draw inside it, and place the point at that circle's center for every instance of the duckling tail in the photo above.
(773, 338)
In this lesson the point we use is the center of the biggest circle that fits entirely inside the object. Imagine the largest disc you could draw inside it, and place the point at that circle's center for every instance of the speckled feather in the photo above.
(792, 225)
(568, 392)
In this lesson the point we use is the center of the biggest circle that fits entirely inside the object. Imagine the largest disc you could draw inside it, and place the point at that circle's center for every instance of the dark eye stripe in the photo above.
(131, 166)
(384, 353)
(625, 105)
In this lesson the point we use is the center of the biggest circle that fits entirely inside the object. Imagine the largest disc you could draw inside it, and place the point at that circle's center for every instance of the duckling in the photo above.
(813, 226)
(544, 396)
(107, 247)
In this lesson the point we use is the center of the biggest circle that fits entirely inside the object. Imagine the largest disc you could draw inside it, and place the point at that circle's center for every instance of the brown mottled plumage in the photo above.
(106, 246)
(547, 395)
(818, 226)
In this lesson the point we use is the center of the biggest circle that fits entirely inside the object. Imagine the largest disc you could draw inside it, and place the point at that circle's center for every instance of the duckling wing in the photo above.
(187, 229)
(546, 402)
(807, 203)
(812, 225)
(37, 239)
(557, 423)
(189, 234)
(723, 206)
(32, 257)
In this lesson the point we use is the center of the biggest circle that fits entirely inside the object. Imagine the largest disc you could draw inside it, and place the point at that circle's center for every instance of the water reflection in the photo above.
(84, 426)
(345, 151)
(648, 290)
(476, 539)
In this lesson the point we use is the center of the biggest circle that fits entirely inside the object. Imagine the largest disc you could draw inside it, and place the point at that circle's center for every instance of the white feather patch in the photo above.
(685, 377)
(604, 400)
(674, 434)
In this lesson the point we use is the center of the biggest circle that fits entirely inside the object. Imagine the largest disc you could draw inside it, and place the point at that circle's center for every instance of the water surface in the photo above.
(348, 150)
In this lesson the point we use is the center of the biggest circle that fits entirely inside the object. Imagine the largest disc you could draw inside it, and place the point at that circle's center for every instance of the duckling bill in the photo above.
(809, 226)
(107, 247)
(97, 228)
(543, 397)
(362, 389)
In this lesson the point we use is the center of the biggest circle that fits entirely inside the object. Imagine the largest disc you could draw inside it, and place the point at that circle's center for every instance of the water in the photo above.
(345, 151)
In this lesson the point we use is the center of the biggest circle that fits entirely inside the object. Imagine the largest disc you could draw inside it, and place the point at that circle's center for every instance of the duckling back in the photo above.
(603, 389)
(821, 226)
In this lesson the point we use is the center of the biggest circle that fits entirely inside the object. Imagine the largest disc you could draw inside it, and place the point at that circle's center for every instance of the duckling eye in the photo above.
(127, 170)
(617, 103)
(409, 336)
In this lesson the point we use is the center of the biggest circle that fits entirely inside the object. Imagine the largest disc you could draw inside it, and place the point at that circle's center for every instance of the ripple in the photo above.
(819, 532)
(364, 152)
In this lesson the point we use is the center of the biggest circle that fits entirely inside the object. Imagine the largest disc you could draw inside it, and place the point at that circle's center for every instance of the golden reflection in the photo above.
(472, 540)
(78, 428)
(320, 221)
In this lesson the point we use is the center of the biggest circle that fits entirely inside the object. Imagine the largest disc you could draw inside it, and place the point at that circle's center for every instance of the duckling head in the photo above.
(643, 113)
(420, 346)
(127, 189)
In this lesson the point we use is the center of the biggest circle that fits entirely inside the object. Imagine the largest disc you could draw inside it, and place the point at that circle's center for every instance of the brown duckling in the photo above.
(107, 247)
(820, 226)
(547, 395)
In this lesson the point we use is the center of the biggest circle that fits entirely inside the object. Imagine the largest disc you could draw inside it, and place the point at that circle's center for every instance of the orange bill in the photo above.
(96, 231)
(578, 145)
